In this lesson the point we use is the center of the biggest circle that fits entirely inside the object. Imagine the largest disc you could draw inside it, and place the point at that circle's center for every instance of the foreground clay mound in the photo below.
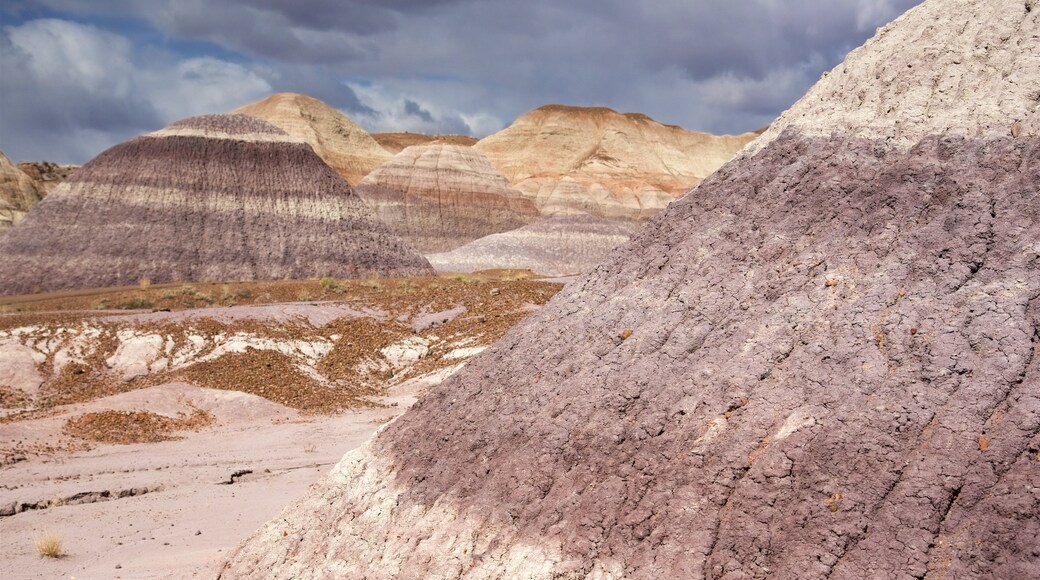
(438, 197)
(553, 246)
(820, 363)
(18, 194)
(344, 145)
(221, 197)
(397, 142)
(598, 161)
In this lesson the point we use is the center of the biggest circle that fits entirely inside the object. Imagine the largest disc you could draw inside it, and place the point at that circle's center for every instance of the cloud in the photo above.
(468, 66)
(414, 109)
(392, 112)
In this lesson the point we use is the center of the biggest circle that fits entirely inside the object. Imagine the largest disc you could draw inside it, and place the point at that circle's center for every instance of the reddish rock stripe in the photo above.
(786, 374)
(215, 166)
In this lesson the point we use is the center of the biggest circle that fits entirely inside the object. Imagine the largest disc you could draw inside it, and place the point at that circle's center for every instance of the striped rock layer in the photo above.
(554, 246)
(439, 197)
(221, 197)
(345, 146)
(18, 194)
(598, 161)
(822, 363)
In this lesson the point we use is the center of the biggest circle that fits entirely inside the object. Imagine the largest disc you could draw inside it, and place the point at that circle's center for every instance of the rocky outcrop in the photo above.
(439, 197)
(220, 197)
(340, 142)
(598, 161)
(397, 142)
(46, 174)
(553, 246)
(821, 363)
(18, 194)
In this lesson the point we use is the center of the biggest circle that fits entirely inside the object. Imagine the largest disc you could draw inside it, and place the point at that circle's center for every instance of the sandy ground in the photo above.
(284, 377)
(190, 517)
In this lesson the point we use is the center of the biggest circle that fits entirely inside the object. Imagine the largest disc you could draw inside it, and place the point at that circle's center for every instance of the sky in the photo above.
(78, 76)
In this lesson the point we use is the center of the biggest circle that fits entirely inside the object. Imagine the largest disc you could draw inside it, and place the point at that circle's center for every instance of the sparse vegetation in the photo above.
(126, 427)
(136, 304)
(48, 545)
(330, 285)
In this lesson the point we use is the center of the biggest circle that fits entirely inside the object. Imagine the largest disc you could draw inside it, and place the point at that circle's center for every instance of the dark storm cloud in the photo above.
(414, 109)
(449, 65)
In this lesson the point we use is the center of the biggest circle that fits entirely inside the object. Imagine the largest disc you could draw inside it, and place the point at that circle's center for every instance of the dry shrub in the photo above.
(48, 545)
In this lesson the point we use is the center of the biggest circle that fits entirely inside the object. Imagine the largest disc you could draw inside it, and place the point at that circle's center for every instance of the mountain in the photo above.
(439, 197)
(822, 363)
(598, 161)
(396, 142)
(340, 142)
(18, 194)
(217, 197)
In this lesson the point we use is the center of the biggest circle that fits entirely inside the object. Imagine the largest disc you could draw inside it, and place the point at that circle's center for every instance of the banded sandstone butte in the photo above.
(18, 194)
(218, 197)
(598, 161)
(820, 363)
(345, 146)
(439, 197)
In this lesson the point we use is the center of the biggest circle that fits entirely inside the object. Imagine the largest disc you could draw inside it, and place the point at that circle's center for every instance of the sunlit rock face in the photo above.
(820, 363)
(598, 161)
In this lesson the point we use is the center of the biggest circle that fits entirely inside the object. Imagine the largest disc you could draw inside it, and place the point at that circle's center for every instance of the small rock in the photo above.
(118, 566)
(1016, 129)
(198, 532)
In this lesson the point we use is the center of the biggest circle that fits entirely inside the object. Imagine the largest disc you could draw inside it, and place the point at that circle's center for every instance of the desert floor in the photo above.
(174, 508)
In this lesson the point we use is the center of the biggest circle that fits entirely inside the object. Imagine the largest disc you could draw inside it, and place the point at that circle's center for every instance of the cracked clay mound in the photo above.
(439, 197)
(219, 197)
(820, 363)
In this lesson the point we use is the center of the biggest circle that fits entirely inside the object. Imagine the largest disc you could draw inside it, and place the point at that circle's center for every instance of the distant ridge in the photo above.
(217, 197)
(397, 142)
(598, 161)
